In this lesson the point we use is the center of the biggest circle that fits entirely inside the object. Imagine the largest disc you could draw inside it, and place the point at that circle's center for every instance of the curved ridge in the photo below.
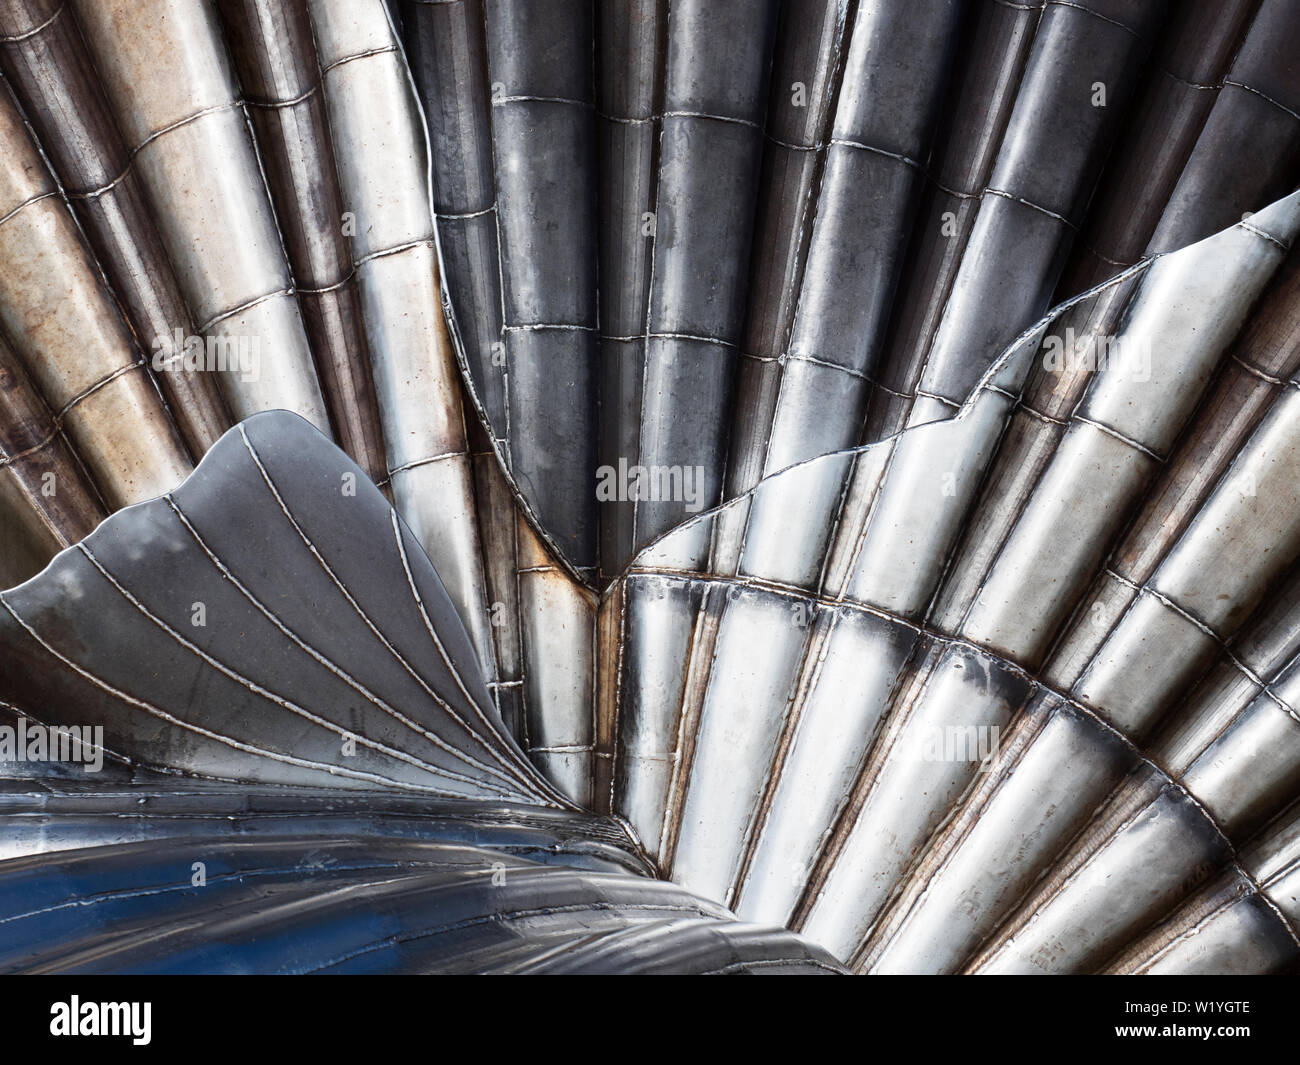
(273, 604)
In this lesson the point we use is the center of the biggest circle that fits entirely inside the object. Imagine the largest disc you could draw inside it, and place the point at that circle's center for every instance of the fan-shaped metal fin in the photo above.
(271, 619)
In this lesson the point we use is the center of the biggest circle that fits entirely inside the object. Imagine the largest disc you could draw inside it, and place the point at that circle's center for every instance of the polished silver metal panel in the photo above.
(346, 678)
(849, 448)
(168, 81)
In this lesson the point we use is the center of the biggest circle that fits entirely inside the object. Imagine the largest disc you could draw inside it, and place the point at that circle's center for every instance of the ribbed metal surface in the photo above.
(836, 274)
(316, 663)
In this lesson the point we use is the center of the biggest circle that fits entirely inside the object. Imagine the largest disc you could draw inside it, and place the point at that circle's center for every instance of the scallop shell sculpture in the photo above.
(650, 486)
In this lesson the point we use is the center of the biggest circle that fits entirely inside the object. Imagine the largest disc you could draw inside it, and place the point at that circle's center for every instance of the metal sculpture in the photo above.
(845, 448)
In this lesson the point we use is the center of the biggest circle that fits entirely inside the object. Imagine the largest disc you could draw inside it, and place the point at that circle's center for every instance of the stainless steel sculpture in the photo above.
(821, 488)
